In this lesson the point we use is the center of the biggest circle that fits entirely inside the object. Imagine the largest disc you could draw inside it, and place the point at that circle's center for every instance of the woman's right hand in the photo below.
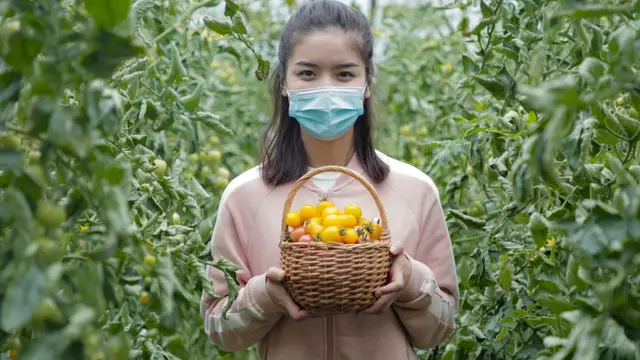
(280, 295)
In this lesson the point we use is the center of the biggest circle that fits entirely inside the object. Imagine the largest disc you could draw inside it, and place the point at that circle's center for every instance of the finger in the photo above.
(275, 274)
(294, 311)
(380, 305)
(285, 301)
(391, 287)
(396, 249)
(299, 314)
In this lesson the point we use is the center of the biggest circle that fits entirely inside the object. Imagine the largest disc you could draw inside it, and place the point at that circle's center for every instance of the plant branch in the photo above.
(182, 19)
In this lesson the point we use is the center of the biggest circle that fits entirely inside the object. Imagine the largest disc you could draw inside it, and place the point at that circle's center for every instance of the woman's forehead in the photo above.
(327, 47)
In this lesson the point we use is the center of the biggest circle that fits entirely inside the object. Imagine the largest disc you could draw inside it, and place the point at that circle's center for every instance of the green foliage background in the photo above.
(122, 122)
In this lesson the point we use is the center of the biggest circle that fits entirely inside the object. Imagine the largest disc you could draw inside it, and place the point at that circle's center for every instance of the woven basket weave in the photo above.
(327, 278)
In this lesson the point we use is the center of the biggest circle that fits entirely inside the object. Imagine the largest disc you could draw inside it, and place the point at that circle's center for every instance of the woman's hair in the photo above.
(283, 155)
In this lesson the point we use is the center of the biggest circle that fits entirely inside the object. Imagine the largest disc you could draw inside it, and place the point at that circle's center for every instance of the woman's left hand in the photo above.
(399, 275)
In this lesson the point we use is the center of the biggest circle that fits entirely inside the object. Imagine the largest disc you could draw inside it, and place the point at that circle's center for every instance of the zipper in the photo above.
(329, 337)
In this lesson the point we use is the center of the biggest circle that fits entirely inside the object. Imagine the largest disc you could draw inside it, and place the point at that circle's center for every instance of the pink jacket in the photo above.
(247, 232)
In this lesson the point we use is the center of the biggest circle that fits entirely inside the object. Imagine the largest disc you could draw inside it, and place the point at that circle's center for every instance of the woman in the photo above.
(323, 116)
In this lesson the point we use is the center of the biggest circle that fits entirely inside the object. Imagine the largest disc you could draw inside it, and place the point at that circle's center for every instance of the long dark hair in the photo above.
(283, 156)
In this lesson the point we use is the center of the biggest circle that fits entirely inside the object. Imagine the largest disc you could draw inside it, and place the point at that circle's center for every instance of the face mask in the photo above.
(326, 112)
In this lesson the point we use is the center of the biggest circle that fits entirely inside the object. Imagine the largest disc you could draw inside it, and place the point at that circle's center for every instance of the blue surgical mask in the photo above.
(326, 112)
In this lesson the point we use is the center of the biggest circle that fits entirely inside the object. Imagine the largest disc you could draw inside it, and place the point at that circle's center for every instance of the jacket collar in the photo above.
(343, 179)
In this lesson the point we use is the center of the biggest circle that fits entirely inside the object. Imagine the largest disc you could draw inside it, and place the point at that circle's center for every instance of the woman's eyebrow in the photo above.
(339, 66)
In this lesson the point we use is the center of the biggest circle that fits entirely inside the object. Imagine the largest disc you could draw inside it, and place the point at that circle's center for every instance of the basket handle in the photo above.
(332, 168)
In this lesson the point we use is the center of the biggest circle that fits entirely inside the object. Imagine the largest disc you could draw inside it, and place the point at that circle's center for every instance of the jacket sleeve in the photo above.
(427, 306)
(253, 313)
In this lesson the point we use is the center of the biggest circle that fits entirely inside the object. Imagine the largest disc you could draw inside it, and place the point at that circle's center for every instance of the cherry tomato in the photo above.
(307, 212)
(352, 209)
(348, 220)
(351, 236)
(293, 219)
(331, 234)
(331, 220)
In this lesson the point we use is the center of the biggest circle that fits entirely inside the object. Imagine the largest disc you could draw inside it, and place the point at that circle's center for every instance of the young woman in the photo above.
(323, 116)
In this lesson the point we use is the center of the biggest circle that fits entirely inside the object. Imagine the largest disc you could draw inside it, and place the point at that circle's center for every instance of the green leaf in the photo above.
(10, 84)
(22, 51)
(108, 52)
(467, 219)
(555, 303)
(500, 86)
(231, 8)
(467, 63)
(263, 69)
(22, 297)
(48, 347)
(108, 13)
(222, 28)
(505, 277)
(539, 230)
(486, 10)
(238, 24)
(211, 120)
(594, 11)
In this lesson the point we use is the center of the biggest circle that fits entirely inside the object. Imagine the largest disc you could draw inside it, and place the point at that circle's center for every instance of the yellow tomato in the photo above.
(317, 220)
(350, 236)
(331, 234)
(352, 209)
(375, 229)
(307, 212)
(144, 298)
(348, 220)
(293, 219)
(331, 220)
(363, 221)
(323, 205)
(329, 211)
(314, 229)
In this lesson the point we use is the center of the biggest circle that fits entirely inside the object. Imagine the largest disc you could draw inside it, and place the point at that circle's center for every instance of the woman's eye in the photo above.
(305, 73)
(345, 74)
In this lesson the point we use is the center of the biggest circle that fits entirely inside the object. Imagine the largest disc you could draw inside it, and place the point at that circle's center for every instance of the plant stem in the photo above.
(182, 19)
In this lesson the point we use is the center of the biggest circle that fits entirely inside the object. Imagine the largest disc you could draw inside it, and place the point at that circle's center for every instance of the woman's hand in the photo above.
(280, 295)
(399, 275)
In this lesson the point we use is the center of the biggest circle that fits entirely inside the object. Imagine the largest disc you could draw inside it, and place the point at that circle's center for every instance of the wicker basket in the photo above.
(326, 278)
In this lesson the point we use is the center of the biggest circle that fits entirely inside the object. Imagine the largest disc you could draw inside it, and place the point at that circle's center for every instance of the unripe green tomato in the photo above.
(206, 171)
(47, 310)
(223, 172)
(149, 259)
(161, 167)
(215, 156)
(194, 158)
(175, 218)
(214, 140)
(423, 131)
(221, 183)
(50, 215)
(405, 130)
